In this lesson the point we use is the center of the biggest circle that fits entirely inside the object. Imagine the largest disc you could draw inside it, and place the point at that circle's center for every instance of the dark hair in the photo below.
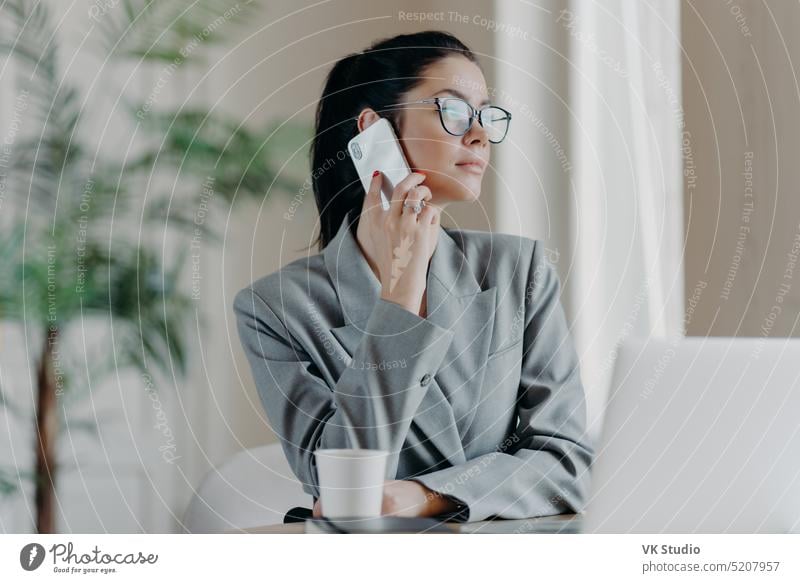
(375, 78)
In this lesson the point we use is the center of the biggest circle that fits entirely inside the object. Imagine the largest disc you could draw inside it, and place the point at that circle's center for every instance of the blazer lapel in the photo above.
(455, 301)
(357, 288)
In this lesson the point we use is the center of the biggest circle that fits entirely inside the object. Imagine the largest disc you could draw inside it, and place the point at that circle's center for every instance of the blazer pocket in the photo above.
(505, 349)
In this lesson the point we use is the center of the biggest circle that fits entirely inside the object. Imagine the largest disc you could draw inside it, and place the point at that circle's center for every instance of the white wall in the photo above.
(742, 105)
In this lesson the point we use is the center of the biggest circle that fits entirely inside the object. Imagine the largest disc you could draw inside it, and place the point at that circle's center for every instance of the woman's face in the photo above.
(454, 165)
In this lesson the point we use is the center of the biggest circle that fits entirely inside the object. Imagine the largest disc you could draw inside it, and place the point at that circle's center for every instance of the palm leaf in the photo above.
(11, 239)
(24, 27)
(80, 425)
(11, 480)
(237, 160)
(120, 279)
(168, 31)
(148, 307)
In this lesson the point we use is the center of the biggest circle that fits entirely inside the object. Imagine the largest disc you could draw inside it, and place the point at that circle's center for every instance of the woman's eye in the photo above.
(453, 107)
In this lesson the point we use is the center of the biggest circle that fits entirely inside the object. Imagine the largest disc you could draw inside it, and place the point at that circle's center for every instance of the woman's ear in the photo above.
(366, 118)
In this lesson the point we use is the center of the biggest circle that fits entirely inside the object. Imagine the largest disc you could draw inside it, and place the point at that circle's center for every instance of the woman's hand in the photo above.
(400, 242)
(407, 498)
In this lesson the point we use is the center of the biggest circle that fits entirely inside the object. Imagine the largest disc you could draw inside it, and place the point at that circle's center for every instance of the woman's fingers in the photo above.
(413, 199)
(404, 187)
(417, 196)
(424, 192)
(388, 231)
(429, 215)
(373, 197)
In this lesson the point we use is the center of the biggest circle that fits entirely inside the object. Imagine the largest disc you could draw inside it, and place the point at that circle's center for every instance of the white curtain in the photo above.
(595, 170)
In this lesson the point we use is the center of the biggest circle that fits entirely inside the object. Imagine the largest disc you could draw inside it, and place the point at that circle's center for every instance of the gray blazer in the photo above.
(481, 401)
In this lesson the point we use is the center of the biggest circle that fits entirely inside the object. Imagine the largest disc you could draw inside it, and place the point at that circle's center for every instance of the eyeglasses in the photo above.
(457, 116)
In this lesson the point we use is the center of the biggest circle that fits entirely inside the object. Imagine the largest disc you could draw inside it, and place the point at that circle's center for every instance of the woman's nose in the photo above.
(476, 133)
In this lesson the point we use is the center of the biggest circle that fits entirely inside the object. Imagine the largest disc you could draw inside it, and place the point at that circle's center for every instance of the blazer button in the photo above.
(426, 378)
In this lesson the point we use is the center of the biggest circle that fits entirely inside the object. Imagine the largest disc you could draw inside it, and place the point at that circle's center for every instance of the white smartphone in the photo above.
(377, 148)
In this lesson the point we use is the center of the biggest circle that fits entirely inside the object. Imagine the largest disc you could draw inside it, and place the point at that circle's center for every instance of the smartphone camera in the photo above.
(355, 149)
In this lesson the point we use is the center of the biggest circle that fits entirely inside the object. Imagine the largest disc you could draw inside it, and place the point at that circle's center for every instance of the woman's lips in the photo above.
(471, 167)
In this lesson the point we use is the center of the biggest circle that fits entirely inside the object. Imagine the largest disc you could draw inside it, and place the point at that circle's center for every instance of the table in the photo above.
(561, 524)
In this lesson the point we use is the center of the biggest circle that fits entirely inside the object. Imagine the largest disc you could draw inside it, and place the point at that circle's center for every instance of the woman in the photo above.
(447, 348)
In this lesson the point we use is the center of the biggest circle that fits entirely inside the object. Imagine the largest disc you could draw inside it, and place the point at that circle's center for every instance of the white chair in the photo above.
(256, 487)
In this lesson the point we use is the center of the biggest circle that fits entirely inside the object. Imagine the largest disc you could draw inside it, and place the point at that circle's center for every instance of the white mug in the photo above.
(351, 482)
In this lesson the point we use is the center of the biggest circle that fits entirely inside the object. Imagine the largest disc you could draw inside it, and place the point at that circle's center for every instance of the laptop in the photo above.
(700, 435)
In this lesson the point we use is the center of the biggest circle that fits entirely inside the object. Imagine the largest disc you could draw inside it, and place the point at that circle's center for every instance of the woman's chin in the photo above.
(468, 194)
(469, 189)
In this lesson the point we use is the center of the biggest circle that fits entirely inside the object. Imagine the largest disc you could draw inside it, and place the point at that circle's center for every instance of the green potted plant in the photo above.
(63, 260)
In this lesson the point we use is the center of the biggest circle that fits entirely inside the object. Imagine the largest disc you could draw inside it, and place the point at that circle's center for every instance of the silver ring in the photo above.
(417, 208)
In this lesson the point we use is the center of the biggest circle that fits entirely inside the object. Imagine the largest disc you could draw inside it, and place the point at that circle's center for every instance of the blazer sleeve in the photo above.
(542, 468)
(369, 406)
